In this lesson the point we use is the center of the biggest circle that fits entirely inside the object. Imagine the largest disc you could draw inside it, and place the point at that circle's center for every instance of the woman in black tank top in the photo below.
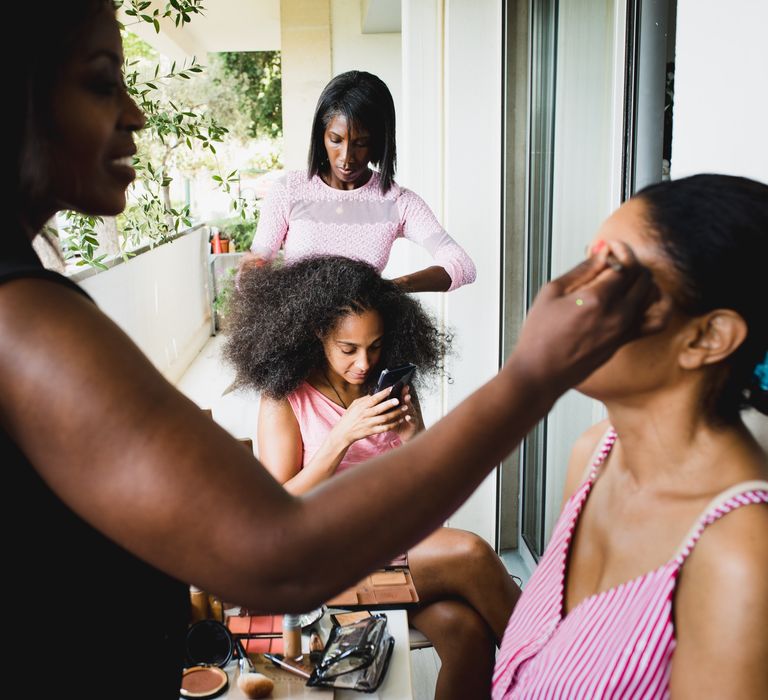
(118, 488)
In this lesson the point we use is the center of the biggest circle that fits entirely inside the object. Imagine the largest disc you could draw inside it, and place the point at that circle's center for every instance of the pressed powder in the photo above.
(381, 588)
(203, 682)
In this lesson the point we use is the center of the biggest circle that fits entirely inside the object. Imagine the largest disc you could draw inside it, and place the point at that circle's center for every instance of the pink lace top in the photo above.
(615, 644)
(307, 217)
(317, 415)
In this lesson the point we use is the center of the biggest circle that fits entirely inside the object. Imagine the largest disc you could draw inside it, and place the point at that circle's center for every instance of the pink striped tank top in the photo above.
(615, 644)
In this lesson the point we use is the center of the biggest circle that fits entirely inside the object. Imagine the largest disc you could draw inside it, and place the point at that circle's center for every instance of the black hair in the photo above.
(714, 230)
(47, 37)
(366, 102)
(279, 315)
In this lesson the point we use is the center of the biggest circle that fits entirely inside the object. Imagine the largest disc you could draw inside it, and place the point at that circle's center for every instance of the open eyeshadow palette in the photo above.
(386, 588)
(260, 633)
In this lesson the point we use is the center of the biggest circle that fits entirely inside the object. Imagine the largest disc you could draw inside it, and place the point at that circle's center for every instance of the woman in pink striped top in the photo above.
(654, 582)
(340, 206)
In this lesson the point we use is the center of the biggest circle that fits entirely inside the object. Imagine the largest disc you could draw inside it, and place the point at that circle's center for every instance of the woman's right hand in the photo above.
(369, 415)
(580, 319)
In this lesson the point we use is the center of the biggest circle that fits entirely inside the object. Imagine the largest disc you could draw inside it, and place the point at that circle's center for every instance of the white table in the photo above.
(396, 684)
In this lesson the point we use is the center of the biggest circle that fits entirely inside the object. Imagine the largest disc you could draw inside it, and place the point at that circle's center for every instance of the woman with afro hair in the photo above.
(313, 337)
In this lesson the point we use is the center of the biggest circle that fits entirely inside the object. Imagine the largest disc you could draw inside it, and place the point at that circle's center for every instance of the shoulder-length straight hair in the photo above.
(365, 102)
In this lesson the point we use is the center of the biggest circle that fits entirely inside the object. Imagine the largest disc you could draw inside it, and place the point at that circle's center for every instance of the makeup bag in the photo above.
(356, 656)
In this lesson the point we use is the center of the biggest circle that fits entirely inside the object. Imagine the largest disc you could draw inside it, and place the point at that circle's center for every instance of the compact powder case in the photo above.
(209, 647)
(203, 682)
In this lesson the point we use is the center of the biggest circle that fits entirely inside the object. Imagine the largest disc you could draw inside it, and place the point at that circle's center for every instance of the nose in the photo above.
(131, 118)
(362, 363)
(346, 154)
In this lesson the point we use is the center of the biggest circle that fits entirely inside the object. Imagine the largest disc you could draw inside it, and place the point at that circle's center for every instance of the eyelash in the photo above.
(356, 145)
(352, 352)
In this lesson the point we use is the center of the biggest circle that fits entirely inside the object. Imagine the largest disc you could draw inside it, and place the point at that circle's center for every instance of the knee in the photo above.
(473, 551)
(458, 629)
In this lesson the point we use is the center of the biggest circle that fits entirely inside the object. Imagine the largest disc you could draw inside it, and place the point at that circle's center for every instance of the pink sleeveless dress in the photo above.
(615, 644)
(317, 415)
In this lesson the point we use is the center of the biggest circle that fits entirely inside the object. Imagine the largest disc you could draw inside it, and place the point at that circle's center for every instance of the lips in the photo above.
(121, 166)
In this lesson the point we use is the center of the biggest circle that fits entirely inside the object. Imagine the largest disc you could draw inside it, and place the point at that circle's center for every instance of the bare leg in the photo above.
(465, 646)
(456, 564)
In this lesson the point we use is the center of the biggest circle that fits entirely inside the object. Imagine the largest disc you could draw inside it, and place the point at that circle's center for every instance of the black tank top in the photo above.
(84, 617)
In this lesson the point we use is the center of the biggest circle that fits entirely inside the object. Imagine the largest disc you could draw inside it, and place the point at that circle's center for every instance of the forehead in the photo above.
(100, 36)
(364, 326)
(338, 124)
(630, 224)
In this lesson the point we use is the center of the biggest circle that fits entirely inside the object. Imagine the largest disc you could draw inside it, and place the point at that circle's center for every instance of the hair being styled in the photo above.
(365, 101)
(714, 229)
(279, 315)
(48, 37)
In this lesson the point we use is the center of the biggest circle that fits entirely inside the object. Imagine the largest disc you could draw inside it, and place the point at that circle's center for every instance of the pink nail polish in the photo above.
(597, 247)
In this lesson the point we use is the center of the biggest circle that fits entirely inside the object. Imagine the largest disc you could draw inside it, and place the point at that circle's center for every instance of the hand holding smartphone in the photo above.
(396, 378)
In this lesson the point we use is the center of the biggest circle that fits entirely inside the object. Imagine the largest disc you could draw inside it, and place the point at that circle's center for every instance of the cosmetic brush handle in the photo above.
(286, 665)
(246, 665)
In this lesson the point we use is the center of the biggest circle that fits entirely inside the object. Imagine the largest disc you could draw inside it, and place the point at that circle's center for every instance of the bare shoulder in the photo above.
(721, 606)
(581, 452)
(277, 410)
(44, 322)
(733, 550)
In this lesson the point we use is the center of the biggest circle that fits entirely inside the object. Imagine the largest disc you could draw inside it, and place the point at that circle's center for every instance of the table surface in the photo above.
(396, 684)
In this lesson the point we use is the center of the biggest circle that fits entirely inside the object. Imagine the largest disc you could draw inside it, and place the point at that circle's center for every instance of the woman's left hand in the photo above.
(411, 425)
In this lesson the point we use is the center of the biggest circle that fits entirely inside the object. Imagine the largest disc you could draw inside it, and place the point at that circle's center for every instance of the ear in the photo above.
(714, 336)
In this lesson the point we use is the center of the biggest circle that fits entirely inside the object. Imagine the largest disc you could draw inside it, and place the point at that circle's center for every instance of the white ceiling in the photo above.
(245, 25)
(227, 25)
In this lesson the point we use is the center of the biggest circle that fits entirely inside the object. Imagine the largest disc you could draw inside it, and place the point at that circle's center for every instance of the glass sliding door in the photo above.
(539, 238)
(649, 103)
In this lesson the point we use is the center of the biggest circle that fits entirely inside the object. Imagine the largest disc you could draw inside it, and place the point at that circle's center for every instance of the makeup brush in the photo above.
(252, 684)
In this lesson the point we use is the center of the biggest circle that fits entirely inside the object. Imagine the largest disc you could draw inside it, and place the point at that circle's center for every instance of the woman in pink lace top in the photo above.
(312, 337)
(343, 207)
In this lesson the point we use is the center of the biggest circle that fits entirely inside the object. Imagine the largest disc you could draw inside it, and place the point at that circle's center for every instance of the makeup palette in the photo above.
(258, 633)
(385, 588)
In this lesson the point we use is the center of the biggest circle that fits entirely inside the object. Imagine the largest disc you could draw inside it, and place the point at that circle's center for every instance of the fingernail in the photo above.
(597, 247)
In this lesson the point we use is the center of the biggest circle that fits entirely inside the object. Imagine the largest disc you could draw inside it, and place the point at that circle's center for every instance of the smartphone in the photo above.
(396, 378)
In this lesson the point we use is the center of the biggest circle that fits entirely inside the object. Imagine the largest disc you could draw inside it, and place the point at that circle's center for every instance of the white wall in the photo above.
(305, 45)
(160, 300)
(352, 50)
(472, 198)
(452, 89)
(721, 88)
(721, 99)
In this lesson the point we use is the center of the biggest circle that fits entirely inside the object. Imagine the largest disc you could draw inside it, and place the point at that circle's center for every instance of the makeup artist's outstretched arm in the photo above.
(142, 464)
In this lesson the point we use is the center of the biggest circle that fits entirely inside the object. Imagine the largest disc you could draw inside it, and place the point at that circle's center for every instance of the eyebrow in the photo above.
(354, 345)
(357, 137)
